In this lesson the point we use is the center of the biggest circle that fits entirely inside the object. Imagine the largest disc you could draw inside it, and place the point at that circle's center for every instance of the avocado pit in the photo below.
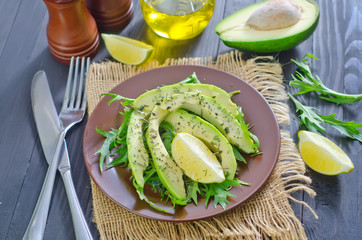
(275, 14)
(255, 29)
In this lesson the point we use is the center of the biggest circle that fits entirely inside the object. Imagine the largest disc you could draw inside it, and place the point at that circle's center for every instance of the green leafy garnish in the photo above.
(116, 97)
(115, 138)
(167, 133)
(190, 79)
(233, 93)
(350, 129)
(245, 128)
(238, 155)
(193, 191)
(220, 191)
(306, 82)
(312, 121)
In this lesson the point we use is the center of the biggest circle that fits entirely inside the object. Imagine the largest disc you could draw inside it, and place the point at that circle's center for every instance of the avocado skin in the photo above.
(149, 99)
(271, 45)
(169, 173)
(275, 45)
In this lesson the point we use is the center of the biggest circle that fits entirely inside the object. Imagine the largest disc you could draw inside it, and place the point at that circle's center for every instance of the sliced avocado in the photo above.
(182, 121)
(169, 173)
(137, 153)
(149, 99)
(236, 33)
(212, 111)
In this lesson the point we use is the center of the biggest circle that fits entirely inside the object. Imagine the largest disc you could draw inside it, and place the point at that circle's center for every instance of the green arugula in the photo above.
(167, 133)
(190, 79)
(306, 82)
(220, 191)
(312, 121)
(116, 97)
(115, 138)
(245, 127)
(238, 155)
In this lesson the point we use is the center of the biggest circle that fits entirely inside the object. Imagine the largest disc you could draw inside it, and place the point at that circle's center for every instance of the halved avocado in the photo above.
(235, 33)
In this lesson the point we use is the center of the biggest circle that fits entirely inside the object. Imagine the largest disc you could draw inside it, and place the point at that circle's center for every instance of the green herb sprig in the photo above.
(306, 82)
(115, 139)
(312, 121)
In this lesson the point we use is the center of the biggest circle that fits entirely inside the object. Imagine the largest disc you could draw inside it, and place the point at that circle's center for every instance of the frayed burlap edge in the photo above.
(267, 214)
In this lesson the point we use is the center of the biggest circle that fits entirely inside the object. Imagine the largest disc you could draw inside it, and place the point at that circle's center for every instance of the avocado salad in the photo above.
(143, 142)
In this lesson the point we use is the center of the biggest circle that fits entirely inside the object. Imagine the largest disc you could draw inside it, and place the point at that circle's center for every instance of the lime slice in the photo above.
(195, 159)
(323, 155)
(127, 50)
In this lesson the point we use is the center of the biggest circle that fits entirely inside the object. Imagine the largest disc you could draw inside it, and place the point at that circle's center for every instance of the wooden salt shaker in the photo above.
(71, 30)
(111, 15)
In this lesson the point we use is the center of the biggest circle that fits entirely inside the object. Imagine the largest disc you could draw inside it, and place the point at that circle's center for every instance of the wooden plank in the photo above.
(18, 136)
(339, 68)
(8, 12)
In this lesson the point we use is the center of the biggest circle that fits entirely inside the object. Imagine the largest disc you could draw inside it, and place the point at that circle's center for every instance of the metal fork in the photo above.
(72, 112)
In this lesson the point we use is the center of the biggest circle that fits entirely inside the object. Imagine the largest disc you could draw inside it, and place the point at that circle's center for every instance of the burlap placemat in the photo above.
(267, 214)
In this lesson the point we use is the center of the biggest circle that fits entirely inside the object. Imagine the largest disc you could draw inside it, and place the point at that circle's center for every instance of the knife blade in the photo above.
(49, 127)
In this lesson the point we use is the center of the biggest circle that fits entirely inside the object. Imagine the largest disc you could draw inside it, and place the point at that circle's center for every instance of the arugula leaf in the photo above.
(104, 150)
(233, 93)
(193, 190)
(167, 135)
(190, 79)
(308, 117)
(245, 128)
(306, 82)
(220, 191)
(238, 155)
(312, 121)
(142, 196)
(115, 138)
(349, 129)
(116, 97)
(122, 159)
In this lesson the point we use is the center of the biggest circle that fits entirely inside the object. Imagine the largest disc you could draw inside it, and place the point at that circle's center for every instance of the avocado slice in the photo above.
(137, 154)
(212, 111)
(182, 121)
(149, 99)
(236, 33)
(169, 173)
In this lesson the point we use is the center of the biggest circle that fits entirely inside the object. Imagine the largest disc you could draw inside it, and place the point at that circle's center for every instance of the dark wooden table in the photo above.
(24, 51)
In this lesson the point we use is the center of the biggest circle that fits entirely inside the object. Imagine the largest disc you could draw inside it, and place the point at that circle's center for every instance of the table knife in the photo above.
(49, 125)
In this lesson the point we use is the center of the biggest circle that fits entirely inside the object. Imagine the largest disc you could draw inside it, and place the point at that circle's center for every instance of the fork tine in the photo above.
(69, 80)
(84, 101)
(80, 84)
(75, 83)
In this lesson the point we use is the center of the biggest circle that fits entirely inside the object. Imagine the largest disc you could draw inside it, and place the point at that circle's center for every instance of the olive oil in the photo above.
(177, 20)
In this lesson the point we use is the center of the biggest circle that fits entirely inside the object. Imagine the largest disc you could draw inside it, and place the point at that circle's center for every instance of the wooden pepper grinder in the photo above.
(71, 30)
(111, 15)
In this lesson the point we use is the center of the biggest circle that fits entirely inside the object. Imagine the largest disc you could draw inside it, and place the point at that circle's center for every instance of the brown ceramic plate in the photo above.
(115, 182)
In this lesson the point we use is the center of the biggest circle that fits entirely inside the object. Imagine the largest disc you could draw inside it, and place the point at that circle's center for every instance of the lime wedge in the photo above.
(195, 159)
(127, 50)
(323, 155)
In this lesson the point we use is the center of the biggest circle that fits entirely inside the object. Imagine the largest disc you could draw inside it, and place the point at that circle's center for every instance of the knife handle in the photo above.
(80, 225)
(36, 227)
